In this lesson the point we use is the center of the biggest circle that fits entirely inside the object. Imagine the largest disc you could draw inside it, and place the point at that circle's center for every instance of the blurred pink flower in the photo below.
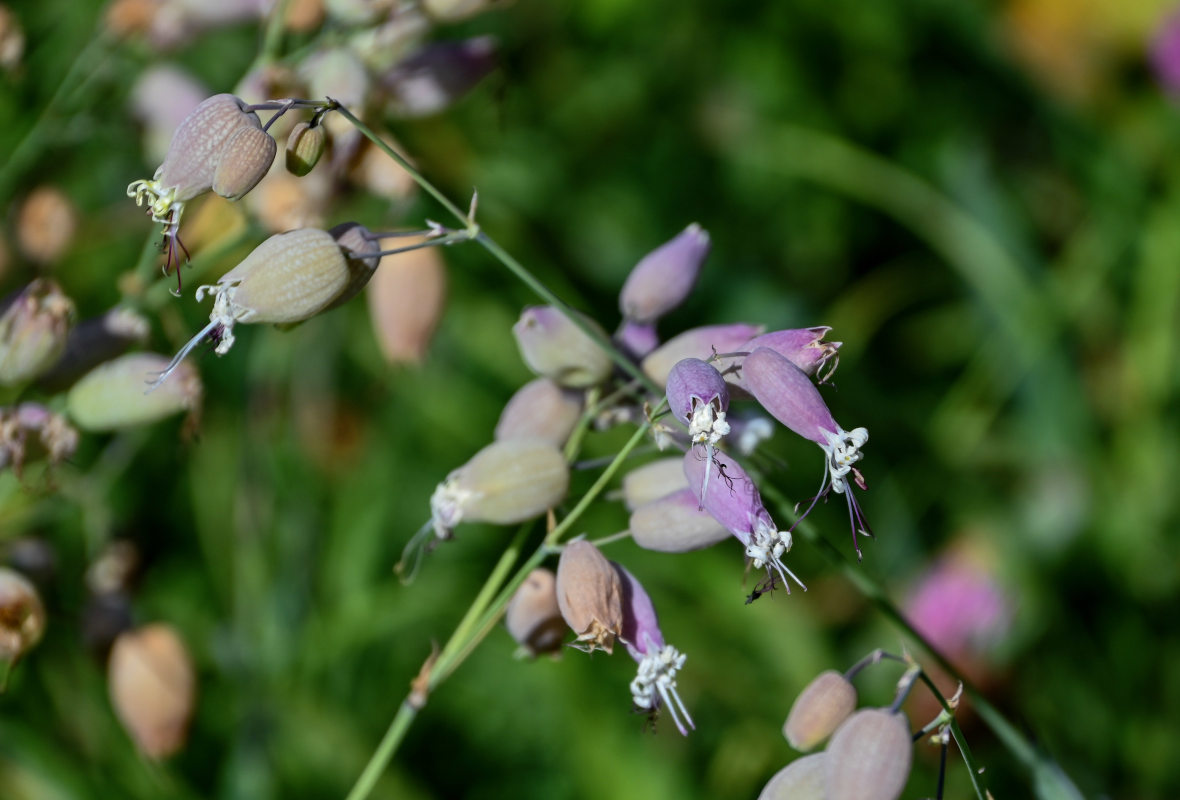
(1165, 52)
(959, 606)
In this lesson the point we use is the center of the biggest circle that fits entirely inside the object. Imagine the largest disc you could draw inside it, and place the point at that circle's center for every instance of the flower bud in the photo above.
(112, 396)
(247, 157)
(504, 483)
(541, 410)
(664, 277)
(406, 300)
(652, 481)
(675, 524)
(22, 616)
(819, 709)
(802, 779)
(438, 74)
(92, 342)
(698, 343)
(46, 224)
(697, 396)
(869, 757)
(305, 145)
(33, 330)
(803, 347)
(554, 347)
(152, 686)
(637, 339)
(589, 595)
(532, 616)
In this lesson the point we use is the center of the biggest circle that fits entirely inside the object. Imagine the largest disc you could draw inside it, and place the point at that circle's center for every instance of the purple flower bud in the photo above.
(554, 347)
(540, 409)
(637, 339)
(698, 343)
(675, 523)
(658, 662)
(664, 277)
(439, 74)
(792, 399)
(733, 500)
(803, 348)
(697, 395)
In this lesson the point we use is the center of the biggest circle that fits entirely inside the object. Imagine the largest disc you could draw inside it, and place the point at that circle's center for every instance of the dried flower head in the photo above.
(22, 615)
(153, 688)
(819, 709)
(869, 756)
(533, 617)
(590, 596)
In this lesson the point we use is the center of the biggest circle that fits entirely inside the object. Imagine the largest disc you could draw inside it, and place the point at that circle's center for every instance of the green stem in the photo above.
(973, 769)
(394, 735)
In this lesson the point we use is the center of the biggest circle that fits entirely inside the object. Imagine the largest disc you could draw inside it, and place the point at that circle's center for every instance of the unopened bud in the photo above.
(554, 347)
(46, 225)
(153, 686)
(869, 757)
(802, 779)
(590, 596)
(664, 277)
(675, 524)
(637, 339)
(33, 331)
(247, 156)
(406, 300)
(506, 482)
(699, 343)
(22, 616)
(819, 709)
(542, 410)
(305, 145)
(532, 617)
(112, 396)
(652, 481)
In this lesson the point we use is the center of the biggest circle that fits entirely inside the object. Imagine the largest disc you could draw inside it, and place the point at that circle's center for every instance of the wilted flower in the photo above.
(554, 347)
(533, 617)
(655, 682)
(675, 523)
(111, 396)
(152, 686)
(590, 596)
(733, 500)
(664, 277)
(819, 709)
(33, 330)
(699, 343)
(802, 779)
(504, 483)
(791, 398)
(803, 347)
(46, 224)
(22, 616)
(869, 757)
(540, 410)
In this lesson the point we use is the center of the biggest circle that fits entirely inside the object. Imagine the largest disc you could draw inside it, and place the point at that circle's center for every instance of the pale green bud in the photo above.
(112, 395)
(554, 347)
(33, 331)
(305, 145)
(652, 481)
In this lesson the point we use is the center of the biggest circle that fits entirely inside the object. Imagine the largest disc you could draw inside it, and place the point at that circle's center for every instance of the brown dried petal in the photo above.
(869, 757)
(819, 709)
(590, 596)
(152, 686)
(533, 617)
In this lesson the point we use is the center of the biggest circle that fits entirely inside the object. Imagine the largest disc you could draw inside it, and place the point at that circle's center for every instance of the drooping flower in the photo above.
(791, 398)
(698, 397)
(655, 683)
(733, 500)
(803, 347)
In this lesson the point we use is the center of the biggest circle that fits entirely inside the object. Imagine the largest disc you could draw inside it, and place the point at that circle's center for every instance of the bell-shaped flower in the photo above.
(791, 398)
(590, 596)
(655, 682)
(803, 347)
(733, 500)
(664, 277)
(698, 397)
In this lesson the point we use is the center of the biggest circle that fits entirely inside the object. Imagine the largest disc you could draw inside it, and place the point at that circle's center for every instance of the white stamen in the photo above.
(767, 547)
(656, 680)
(446, 506)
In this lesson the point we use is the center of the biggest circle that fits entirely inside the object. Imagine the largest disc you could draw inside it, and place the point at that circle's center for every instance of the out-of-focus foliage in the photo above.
(983, 200)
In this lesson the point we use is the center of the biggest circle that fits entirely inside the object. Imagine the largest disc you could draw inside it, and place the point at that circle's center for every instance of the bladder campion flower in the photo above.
(803, 347)
(664, 277)
(555, 348)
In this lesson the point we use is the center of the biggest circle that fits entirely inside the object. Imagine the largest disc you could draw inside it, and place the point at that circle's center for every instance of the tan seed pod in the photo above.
(652, 481)
(802, 779)
(504, 483)
(247, 156)
(46, 225)
(305, 145)
(675, 524)
(153, 688)
(290, 277)
(112, 396)
(555, 348)
(33, 331)
(819, 709)
(540, 409)
(533, 617)
(406, 300)
(869, 757)
(589, 595)
(22, 615)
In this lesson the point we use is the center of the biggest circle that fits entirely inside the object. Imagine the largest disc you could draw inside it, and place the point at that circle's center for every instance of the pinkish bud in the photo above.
(733, 500)
(540, 410)
(699, 343)
(697, 396)
(152, 686)
(664, 277)
(675, 524)
(791, 398)
(33, 331)
(819, 709)
(439, 74)
(589, 594)
(504, 483)
(637, 339)
(803, 347)
(22, 615)
(305, 145)
(652, 481)
(554, 347)
(247, 157)
(655, 682)
(533, 617)
(802, 779)
(869, 757)
(407, 297)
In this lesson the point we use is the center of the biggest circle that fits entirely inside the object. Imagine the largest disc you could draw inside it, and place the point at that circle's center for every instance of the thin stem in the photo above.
(394, 735)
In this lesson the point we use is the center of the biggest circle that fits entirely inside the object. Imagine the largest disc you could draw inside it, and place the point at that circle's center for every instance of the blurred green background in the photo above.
(983, 199)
